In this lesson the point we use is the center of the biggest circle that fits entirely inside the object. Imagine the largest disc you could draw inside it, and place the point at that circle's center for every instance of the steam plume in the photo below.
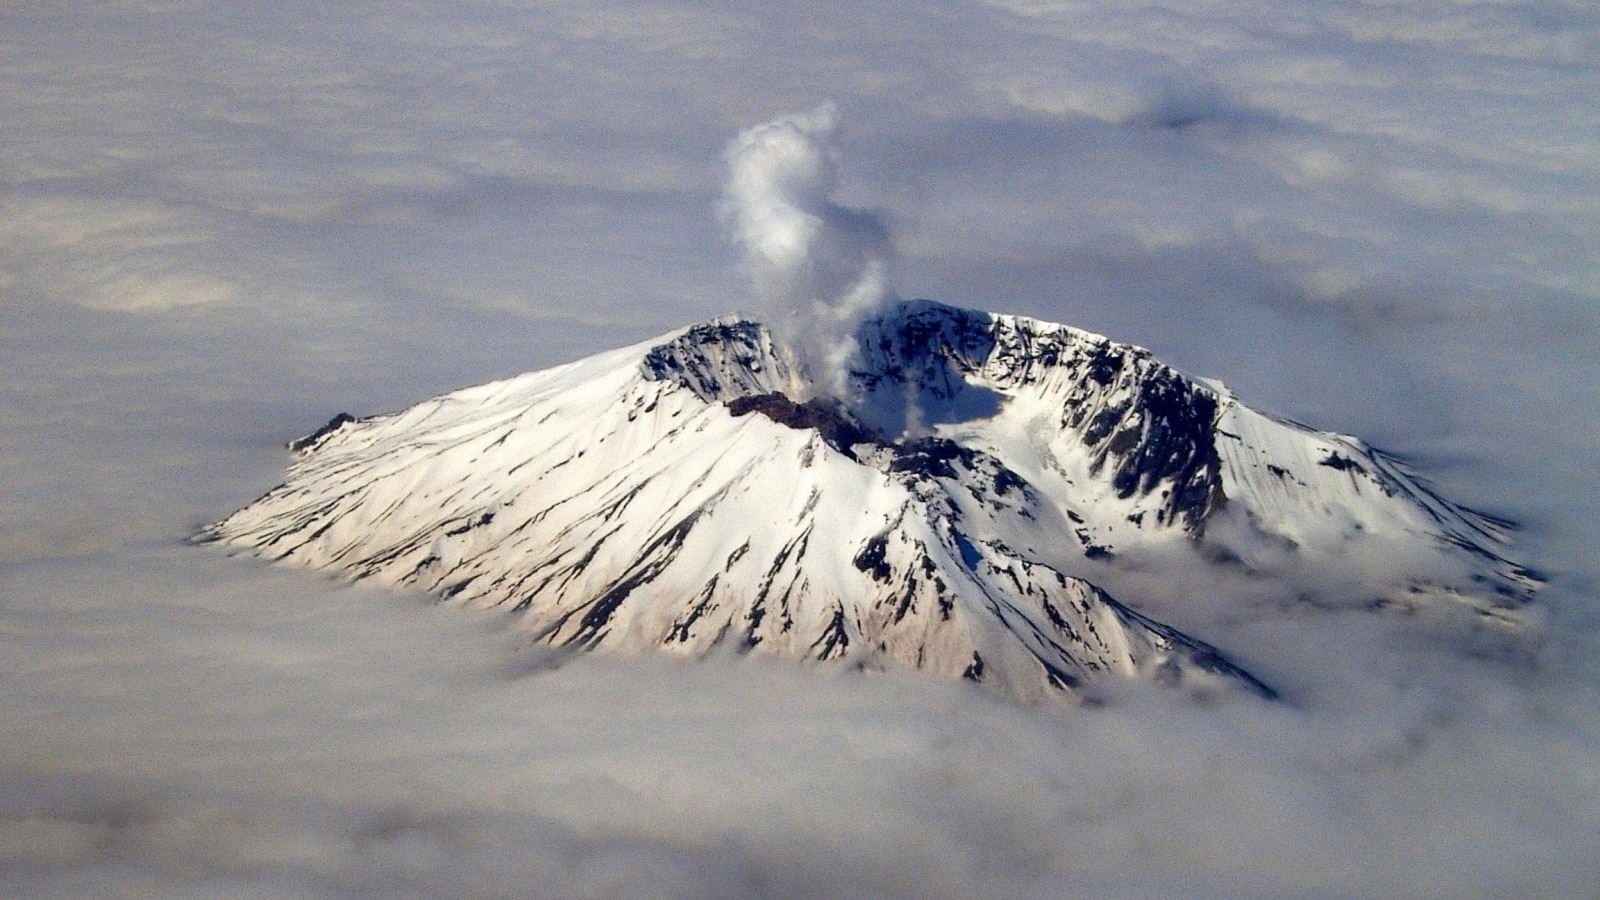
(817, 267)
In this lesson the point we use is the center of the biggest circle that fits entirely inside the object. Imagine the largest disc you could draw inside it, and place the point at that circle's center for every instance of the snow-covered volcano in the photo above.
(694, 493)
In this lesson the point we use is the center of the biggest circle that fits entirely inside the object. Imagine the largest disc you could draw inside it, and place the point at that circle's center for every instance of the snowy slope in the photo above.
(692, 493)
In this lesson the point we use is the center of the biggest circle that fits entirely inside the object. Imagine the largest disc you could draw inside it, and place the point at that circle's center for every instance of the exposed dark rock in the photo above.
(932, 458)
(718, 360)
(836, 430)
(974, 670)
(1340, 463)
(313, 439)
(835, 639)
(872, 558)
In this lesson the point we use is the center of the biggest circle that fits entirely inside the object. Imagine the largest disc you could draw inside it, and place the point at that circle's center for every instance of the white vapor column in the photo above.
(817, 267)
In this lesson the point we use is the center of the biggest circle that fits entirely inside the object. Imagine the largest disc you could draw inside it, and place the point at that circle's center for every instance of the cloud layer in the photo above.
(223, 225)
(264, 732)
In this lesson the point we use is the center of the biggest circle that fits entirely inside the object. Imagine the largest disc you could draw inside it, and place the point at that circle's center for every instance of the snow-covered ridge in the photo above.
(695, 492)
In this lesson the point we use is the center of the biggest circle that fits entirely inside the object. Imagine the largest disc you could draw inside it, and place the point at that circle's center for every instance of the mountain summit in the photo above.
(955, 514)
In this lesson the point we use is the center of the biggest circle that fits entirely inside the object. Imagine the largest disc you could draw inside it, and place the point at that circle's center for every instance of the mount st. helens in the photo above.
(695, 493)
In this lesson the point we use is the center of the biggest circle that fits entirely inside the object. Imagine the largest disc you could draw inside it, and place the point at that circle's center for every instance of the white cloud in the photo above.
(111, 254)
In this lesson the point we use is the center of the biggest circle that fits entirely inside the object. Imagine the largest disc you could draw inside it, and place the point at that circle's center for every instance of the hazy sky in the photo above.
(220, 224)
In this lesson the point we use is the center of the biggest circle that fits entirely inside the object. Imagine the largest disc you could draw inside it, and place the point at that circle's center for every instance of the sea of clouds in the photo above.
(222, 224)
